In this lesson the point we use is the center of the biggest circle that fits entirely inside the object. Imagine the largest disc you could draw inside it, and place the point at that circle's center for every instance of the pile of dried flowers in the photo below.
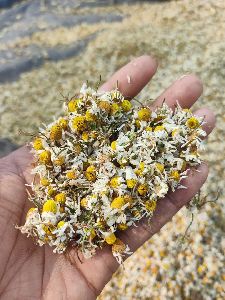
(103, 166)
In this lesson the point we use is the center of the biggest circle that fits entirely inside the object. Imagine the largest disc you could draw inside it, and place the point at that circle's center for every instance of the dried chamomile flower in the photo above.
(103, 166)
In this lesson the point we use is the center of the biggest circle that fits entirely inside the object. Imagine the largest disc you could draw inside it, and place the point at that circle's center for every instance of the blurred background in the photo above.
(51, 47)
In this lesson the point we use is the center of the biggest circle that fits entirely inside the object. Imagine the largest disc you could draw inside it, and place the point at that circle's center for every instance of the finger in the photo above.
(132, 77)
(185, 90)
(209, 119)
(166, 209)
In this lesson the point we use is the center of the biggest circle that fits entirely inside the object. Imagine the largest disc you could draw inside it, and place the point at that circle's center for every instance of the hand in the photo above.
(28, 271)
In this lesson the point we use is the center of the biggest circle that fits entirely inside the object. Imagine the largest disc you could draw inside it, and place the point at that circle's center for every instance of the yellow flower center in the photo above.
(74, 104)
(85, 136)
(142, 189)
(148, 128)
(44, 181)
(63, 123)
(118, 202)
(131, 183)
(56, 133)
(118, 246)
(202, 268)
(50, 206)
(47, 229)
(126, 105)
(137, 123)
(110, 239)
(30, 212)
(79, 123)
(115, 182)
(114, 108)
(128, 199)
(59, 161)
(113, 145)
(104, 105)
(92, 234)
(192, 123)
(61, 224)
(144, 114)
(122, 226)
(45, 157)
(37, 144)
(90, 173)
(61, 198)
(140, 170)
(51, 191)
(83, 202)
(142, 166)
(174, 132)
(77, 149)
(159, 128)
(89, 116)
(71, 175)
(101, 223)
(150, 205)
(175, 175)
(159, 167)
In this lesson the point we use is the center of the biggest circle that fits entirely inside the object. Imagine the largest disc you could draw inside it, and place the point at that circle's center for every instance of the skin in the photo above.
(31, 272)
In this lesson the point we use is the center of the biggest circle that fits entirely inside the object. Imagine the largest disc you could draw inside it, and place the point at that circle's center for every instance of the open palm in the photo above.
(31, 272)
